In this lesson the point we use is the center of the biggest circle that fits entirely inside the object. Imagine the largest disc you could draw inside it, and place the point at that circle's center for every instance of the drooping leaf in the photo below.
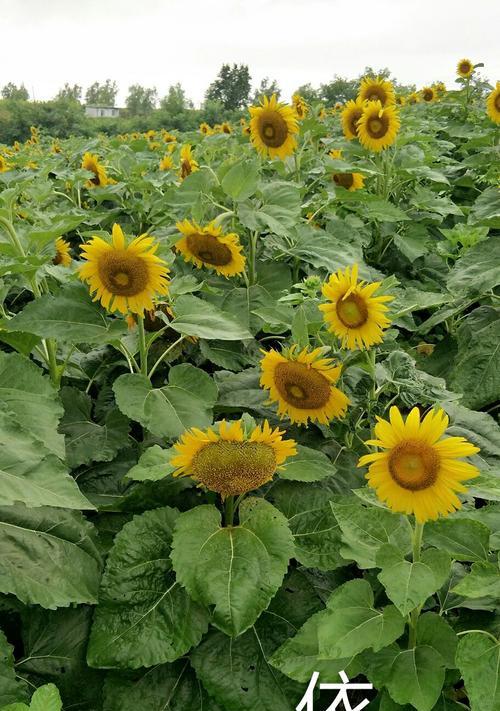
(12, 688)
(463, 539)
(478, 658)
(483, 580)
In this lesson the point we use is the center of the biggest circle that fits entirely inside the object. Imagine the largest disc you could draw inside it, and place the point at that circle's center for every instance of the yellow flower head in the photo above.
(166, 162)
(428, 94)
(63, 255)
(229, 461)
(413, 98)
(378, 126)
(400, 100)
(440, 87)
(418, 471)
(273, 127)
(205, 129)
(303, 385)
(300, 106)
(493, 104)
(225, 127)
(4, 166)
(209, 247)
(91, 163)
(124, 277)
(188, 163)
(336, 153)
(352, 312)
(376, 89)
(465, 68)
(168, 137)
(349, 181)
(350, 117)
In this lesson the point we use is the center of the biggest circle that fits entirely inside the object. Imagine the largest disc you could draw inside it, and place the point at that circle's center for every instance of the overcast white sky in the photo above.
(45, 43)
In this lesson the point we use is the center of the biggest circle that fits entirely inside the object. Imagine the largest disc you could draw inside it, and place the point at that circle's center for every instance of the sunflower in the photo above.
(188, 163)
(349, 181)
(465, 68)
(245, 128)
(229, 461)
(205, 129)
(63, 255)
(166, 162)
(272, 128)
(353, 313)
(335, 153)
(413, 98)
(125, 278)
(300, 106)
(378, 126)
(400, 100)
(303, 385)
(428, 94)
(225, 127)
(493, 104)
(168, 137)
(91, 163)
(350, 117)
(209, 247)
(322, 113)
(440, 87)
(376, 89)
(419, 470)
(4, 166)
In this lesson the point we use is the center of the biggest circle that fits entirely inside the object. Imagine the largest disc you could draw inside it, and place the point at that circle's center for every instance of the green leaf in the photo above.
(241, 180)
(486, 209)
(31, 474)
(486, 486)
(144, 617)
(153, 464)
(307, 465)
(353, 624)
(299, 328)
(435, 632)
(195, 317)
(88, 441)
(69, 316)
(12, 688)
(477, 271)
(48, 557)
(229, 355)
(483, 580)
(478, 658)
(236, 568)
(416, 677)
(28, 396)
(463, 539)
(186, 401)
(46, 698)
(366, 528)
(409, 584)
(478, 427)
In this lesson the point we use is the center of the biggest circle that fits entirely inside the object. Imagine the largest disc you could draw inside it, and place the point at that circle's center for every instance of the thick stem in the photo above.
(414, 614)
(143, 353)
(165, 354)
(252, 259)
(229, 510)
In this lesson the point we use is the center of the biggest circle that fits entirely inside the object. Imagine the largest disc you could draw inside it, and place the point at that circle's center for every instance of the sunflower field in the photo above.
(249, 388)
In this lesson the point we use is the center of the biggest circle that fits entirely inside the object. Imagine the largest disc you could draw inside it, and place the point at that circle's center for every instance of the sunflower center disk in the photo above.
(414, 465)
(497, 102)
(352, 311)
(376, 127)
(233, 468)
(353, 123)
(345, 180)
(123, 274)
(185, 168)
(209, 249)
(301, 386)
(273, 129)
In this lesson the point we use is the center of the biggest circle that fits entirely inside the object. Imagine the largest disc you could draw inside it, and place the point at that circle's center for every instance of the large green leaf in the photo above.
(144, 617)
(478, 270)
(69, 316)
(409, 584)
(415, 676)
(48, 557)
(29, 398)
(168, 411)
(478, 658)
(46, 698)
(464, 539)
(237, 569)
(434, 631)
(12, 688)
(195, 317)
(307, 465)
(483, 580)
(154, 464)
(354, 624)
(241, 180)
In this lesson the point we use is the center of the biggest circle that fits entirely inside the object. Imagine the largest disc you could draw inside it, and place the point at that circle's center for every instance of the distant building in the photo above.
(102, 111)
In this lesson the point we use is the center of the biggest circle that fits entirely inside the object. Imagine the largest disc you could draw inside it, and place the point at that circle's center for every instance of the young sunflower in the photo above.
(413, 98)
(208, 247)
(188, 163)
(303, 385)
(63, 255)
(225, 127)
(300, 106)
(428, 94)
(205, 129)
(465, 68)
(273, 127)
(168, 137)
(124, 277)
(378, 126)
(493, 104)
(228, 461)
(377, 89)
(91, 163)
(350, 117)
(349, 181)
(353, 312)
(4, 166)
(419, 470)
(166, 163)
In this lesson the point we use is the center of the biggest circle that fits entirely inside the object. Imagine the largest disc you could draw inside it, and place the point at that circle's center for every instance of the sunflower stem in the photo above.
(143, 352)
(165, 354)
(252, 259)
(229, 510)
(414, 614)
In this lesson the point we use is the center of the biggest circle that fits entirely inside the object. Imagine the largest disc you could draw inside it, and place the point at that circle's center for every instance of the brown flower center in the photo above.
(209, 249)
(186, 168)
(353, 121)
(465, 67)
(123, 274)
(58, 258)
(377, 126)
(345, 180)
(233, 468)
(301, 386)
(414, 465)
(376, 93)
(428, 95)
(497, 102)
(352, 311)
(273, 129)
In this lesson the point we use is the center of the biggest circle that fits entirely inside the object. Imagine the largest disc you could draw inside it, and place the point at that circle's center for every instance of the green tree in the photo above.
(102, 94)
(339, 89)
(266, 88)
(141, 100)
(69, 93)
(12, 91)
(175, 101)
(309, 93)
(231, 87)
